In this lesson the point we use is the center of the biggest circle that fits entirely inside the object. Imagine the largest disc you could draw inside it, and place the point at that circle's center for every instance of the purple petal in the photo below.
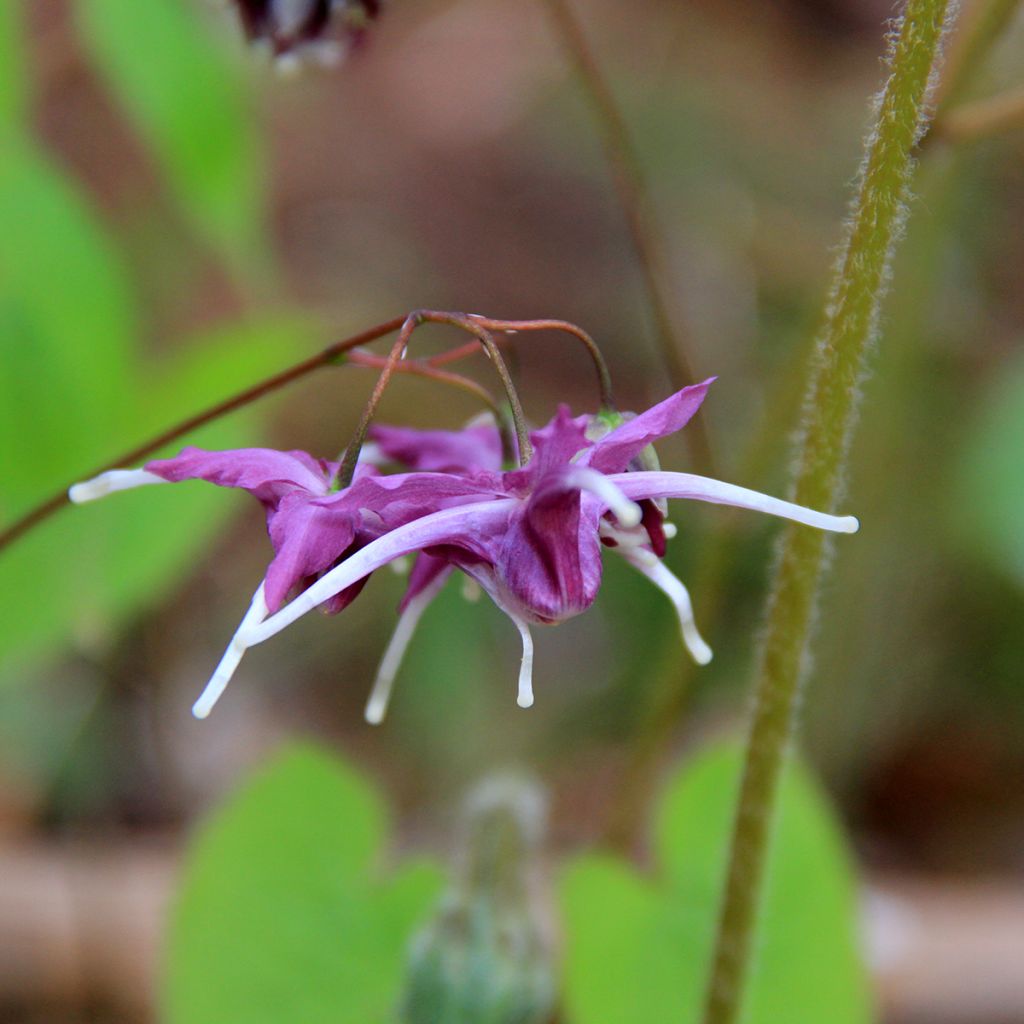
(266, 474)
(614, 452)
(700, 488)
(475, 527)
(475, 447)
(403, 497)
(551, 556)
(554, 445)
(308, 537)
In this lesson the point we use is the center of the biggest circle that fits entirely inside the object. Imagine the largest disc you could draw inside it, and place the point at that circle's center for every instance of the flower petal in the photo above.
(662, 577)
(232, 656)
(266, 474)
(613, 452)
(701, 488)
(473, 527)
(412, 609)
(308, 537)
(112, 480)
(447, 451)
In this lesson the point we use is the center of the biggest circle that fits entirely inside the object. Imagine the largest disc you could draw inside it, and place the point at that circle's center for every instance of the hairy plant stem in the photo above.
(830, 413)
(633, 195)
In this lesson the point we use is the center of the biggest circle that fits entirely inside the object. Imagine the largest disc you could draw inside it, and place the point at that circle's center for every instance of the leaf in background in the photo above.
(69, 326)
(989, 498)
(638, 950)
(283, 915)
(74, 393)
(189, 105)
(13, 81)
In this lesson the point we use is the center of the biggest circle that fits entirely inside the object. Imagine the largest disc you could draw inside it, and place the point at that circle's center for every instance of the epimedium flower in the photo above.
(531, 537)
(322, 29)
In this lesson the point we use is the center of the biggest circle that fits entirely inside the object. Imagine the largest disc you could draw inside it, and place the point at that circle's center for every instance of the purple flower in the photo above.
(531, 537)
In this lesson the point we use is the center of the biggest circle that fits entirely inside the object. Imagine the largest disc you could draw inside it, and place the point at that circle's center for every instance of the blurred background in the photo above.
(178, 219)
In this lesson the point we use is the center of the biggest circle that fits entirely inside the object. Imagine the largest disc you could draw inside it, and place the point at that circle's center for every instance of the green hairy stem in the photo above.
(859, 284)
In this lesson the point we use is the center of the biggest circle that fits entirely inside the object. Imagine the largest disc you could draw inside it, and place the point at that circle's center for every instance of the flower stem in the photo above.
(631, 187)
(474, 325)
(430, 370)
(830, 413)
(327, 357)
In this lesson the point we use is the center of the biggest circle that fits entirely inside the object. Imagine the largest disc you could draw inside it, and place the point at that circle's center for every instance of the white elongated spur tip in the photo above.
(113, 480)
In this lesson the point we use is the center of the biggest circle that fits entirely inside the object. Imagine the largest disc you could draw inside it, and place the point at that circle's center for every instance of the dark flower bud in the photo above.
(323, 29)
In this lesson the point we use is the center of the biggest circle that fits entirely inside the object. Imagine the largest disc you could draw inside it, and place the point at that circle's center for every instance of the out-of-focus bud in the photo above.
(486, 956)
(324, 30)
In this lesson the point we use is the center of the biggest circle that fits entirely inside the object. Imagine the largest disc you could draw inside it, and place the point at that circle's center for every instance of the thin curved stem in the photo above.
(473, 326)
(429, 371)
(604, 377)
(347, 468)
(350, 457)
(830, 413)
(327, 357)
(633, 194)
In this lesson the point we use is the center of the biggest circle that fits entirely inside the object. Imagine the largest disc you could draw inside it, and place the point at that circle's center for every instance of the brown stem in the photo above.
(477, 328)
(430, 371)
(604, 377)
(633, 194)
(329, 355)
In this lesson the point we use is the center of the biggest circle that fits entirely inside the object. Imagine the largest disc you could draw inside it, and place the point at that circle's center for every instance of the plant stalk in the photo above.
(833, 395)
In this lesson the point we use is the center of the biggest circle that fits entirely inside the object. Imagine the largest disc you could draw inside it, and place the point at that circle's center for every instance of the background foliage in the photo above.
(177, 221)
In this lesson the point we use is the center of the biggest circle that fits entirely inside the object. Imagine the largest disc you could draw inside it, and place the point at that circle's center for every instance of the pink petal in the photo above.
(266, 474)
(613, 452)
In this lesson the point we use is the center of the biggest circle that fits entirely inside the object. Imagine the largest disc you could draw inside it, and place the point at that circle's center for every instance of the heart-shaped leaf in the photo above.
(638, 949)
(285, 914)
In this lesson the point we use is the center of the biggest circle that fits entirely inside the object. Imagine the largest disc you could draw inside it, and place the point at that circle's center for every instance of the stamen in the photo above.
(232, 656)
(669, 529)
(626, 511)
(380, 695)
(113, 480)
(660, 575)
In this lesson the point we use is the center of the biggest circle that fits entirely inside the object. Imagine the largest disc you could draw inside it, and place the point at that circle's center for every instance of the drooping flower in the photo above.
(531, 537)
(322, 29)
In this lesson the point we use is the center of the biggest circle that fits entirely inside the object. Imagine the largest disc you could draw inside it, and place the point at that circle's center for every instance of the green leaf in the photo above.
(284, 915)
(91, 567)
(638, 949)
(69, 325)
(189, 105)
(988, 502)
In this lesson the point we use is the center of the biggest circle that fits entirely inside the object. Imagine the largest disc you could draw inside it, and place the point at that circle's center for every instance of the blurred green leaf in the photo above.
(75, 392)
(988, 501)
(189, 105)
(283, 915)
(638, 950)
(69, 324)
(13, 81)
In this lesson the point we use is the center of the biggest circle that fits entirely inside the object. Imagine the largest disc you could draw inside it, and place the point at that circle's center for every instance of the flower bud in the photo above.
(485, 957)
